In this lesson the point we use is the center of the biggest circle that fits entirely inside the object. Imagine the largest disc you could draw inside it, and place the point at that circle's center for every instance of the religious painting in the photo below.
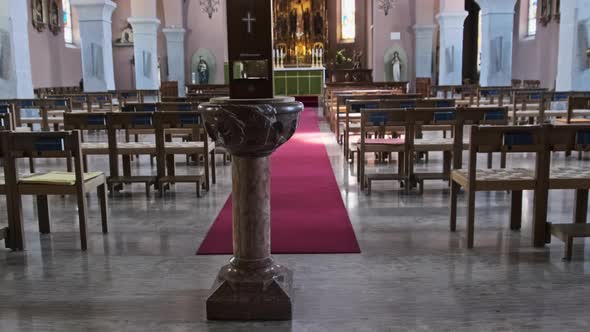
(299, 27)
(38, 14)
(545, 11)
(54, 15)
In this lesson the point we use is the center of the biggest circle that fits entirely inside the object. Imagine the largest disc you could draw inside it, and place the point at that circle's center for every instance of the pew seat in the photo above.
(123, 148)
(189, 147)
(571, 177)
(436, 144)
(497, 179)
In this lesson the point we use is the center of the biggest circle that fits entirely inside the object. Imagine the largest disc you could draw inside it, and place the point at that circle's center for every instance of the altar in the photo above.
(299, 81)
(299, 39)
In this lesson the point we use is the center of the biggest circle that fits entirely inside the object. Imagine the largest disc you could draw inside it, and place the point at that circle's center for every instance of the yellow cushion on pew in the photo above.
(58, 178)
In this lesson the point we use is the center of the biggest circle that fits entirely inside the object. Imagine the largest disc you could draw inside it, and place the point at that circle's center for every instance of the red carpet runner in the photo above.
(308, 215)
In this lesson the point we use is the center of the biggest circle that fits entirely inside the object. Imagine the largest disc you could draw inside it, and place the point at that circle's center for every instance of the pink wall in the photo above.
(205, 32)
(52, 63)
(534, 58)
(400, 19)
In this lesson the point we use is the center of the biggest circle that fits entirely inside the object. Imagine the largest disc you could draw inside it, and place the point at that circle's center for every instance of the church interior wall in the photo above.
(52, 62)
(534, 58)
(399, 20)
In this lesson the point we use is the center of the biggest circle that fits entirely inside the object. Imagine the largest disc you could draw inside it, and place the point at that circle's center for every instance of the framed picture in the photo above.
(53, 14)
(38, 14)
(546, 11)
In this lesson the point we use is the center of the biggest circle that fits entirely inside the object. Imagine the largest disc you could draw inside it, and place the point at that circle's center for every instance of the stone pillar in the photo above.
(573, 64)
(424, 45)
(451, 47)
(175, 47)
(94, 17)
(145, 50)
(15, 59)
(496, 49)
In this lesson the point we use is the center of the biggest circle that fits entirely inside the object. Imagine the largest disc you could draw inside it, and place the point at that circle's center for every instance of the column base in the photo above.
(251, 291)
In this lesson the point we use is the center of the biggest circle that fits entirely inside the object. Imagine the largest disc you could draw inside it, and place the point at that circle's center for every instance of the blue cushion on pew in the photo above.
(97, 119)
(26, 103)
(494, 115)
(560, 96)
(443, 103)
(357, 107)
(536, 96)
(185, 107)
(49, 144)
(80, 98)
(4, 109)
(101, 98)
(190, 119)
(377, 119)
(444, 116)
(408, 104)
(583, 137)
(524, 138)
(149, 108)
(60, 102)
(142, 120)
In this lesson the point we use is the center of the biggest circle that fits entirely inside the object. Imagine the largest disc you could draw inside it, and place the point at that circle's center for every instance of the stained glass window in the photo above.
(532, 18)
(67, 21)
(347, 20)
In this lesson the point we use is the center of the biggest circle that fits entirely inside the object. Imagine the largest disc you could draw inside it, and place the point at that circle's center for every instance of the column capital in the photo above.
(452, 19)
(174, 34)
(496, 6)
(144, 25)
(94, 10)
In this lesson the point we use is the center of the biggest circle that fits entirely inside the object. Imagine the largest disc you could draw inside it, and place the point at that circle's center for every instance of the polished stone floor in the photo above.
(412, 275)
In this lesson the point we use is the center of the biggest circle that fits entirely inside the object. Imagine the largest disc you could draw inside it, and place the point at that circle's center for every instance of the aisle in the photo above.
(308, 215)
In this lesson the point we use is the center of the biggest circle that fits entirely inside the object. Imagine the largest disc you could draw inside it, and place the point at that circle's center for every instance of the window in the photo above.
(532, 18)
(347, 20)
(67, 21)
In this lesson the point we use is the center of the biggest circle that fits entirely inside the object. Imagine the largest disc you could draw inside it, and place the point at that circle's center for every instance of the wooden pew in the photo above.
(498, 139)
(48, 145)
(86, 122)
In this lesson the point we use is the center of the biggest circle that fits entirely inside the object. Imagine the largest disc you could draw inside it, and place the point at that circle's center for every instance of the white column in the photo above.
(496, 49)
(451, 47)
(94, 17)
(145, 50)
(175, 47)
(573, 65)
(424, 45)
(15, 59)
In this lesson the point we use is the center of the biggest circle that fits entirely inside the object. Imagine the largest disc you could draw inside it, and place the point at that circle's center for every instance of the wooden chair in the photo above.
(149, 96)
(531, 83)
(498, 139)
(516, 83)
(378, 122)
(167, 148)
(560, 138)
(48, 145)
(86, 122)
(578, 108)
(6, 119)
(128, 121)
(529, 105)
(421, 117)
(493, 96)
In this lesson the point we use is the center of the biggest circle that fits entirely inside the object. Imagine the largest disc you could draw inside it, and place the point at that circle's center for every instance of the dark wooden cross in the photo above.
(249, 38)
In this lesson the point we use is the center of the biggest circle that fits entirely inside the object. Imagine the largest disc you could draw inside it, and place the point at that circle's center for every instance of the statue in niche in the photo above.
(38, 14)
(396, 65)
(307, 23)
(126, 38)
(318, 24)
(54, 17)
(292, 23)
(203, 71)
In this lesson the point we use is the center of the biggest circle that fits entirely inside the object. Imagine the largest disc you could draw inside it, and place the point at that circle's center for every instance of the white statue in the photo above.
(396, 63)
